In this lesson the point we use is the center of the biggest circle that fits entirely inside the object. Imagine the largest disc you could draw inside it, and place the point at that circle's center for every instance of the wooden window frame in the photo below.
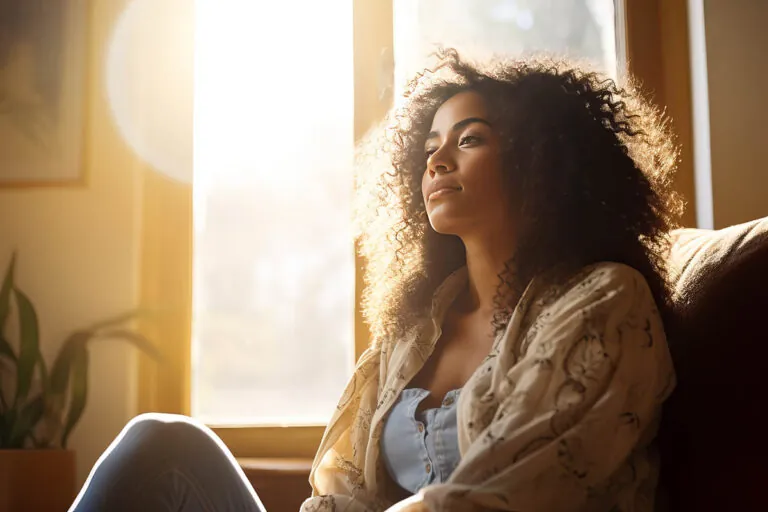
(656, 52)
(658, 55)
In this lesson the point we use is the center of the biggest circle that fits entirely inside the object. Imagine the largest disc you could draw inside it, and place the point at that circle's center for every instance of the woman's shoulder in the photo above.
(604, 283)
(606, 274)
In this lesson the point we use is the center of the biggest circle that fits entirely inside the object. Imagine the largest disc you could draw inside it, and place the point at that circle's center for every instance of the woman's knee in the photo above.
(176, 439)
(159, 418)
(163, 430)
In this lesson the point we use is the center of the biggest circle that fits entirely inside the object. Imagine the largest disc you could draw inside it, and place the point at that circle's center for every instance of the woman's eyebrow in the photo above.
(461, 124)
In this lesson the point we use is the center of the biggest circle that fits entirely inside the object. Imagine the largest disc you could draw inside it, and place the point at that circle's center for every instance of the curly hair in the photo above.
(589, 163)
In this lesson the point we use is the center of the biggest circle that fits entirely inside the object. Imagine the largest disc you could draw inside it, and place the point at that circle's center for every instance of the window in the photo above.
(282, 91)
(583, 29)
(274, 274)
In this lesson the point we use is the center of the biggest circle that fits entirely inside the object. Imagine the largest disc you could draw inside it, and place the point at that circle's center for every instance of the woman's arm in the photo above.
(583, 401)
(337, 472)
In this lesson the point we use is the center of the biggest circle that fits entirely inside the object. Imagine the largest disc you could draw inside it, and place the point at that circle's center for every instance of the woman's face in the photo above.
(463, 189)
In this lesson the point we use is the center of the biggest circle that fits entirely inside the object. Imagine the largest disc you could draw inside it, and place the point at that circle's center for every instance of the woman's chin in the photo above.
(445, 225)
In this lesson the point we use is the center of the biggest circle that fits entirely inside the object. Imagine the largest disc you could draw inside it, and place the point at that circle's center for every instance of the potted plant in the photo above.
(40, 406)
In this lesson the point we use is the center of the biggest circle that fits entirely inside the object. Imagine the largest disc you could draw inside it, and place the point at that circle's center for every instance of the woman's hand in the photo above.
(413, 504)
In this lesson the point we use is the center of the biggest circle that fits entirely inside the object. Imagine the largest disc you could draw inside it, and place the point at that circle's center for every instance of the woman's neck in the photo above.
(486, 259)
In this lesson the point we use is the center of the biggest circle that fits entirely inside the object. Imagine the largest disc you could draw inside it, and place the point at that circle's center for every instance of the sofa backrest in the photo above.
(712, 437)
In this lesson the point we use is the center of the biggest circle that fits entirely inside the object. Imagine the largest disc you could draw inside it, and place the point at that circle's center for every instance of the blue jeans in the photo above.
(167, 463)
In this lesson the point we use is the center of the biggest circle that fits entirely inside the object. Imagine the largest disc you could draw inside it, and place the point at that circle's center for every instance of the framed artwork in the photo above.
(43, 59)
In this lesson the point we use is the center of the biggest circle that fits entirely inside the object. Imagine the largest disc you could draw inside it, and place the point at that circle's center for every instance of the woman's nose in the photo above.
(439, 164)
(438, 169)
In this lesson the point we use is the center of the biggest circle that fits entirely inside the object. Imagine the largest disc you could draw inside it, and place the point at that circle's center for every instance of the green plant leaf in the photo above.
(26, 421)
(4, 431)
(136, 339)
(9, 418)
(6, 349)
(29, 348)
(3, 393)
(79, 391)
(120, 319)
(62, 364)
(5, 293)
(43, 374)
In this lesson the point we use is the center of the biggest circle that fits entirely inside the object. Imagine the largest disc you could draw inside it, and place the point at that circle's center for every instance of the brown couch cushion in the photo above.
(711, 437)
(699, 256)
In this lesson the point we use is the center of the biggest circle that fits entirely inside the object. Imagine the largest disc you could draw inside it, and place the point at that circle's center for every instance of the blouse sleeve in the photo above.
(336, 491)
(575, 409)
(337, 471)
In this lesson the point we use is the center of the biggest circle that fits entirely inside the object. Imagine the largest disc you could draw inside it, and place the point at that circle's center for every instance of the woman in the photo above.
(515, 293)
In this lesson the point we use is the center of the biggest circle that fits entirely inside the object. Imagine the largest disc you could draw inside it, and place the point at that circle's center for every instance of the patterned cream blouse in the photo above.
(559, 417)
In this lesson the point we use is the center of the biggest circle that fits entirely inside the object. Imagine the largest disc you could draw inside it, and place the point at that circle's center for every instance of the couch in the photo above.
(712, 437)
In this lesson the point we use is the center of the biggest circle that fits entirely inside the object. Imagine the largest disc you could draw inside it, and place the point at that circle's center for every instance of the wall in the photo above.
(736, 41)
(78, 253)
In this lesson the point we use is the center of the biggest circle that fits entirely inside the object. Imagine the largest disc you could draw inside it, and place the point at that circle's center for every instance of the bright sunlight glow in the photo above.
(149, 83)
(264, 72)
(274, 261)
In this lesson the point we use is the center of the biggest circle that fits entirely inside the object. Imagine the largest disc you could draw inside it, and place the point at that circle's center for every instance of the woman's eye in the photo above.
(469, 139)
(428, 153)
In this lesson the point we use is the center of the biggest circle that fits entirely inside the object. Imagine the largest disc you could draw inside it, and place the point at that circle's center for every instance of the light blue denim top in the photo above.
(419, 449)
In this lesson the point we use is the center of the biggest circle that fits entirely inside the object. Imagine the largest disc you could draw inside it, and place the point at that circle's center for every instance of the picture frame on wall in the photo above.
(43, 69)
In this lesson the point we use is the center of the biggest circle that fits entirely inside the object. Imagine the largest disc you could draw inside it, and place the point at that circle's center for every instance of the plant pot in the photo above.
(37, 480)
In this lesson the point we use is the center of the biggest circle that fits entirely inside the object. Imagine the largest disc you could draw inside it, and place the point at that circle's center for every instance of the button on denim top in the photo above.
(419, 449)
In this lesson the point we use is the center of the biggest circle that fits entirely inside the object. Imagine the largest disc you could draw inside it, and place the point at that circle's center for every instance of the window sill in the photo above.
(281, 483)
(272, 443)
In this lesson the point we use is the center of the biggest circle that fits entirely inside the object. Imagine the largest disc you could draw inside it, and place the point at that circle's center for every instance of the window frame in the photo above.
(656, 44)
(658, 56)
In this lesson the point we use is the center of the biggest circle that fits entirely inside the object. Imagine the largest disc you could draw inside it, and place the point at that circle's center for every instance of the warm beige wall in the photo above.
(737, 41)
(78, 253)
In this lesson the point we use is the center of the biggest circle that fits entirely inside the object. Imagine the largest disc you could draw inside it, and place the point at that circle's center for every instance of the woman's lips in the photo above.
(442, 192)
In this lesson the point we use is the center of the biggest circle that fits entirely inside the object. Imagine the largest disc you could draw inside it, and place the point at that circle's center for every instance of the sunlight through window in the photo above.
(585, 30)
(273, 257)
